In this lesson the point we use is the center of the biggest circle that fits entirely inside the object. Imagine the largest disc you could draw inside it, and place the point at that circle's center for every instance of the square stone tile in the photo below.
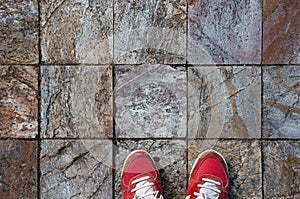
(169, 157)
(150, 101)
(224, 102)
(18, 169)
(281, 107)
(18, 101)
(76, 169)
(281, 26)
(19, 32)
(150, 31)
(244, 164)
(76, 102)
(77, 31)
(281, 169)
(224, 32)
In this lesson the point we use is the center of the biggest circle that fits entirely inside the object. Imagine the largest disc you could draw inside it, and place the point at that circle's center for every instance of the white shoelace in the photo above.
(208, 190)
(144, 189)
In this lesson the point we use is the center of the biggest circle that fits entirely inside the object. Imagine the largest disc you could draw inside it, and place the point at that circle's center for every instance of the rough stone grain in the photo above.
(76, 31)
(150, 101)
(150, 31)
(18, 169)
(281, 95)
(76, 102)
(169, 157)
(19, 32)
(224, 102)
(76, 169)
(281, 169)
(244, 164)
(224, 31)
(281, 32)
(18, 101)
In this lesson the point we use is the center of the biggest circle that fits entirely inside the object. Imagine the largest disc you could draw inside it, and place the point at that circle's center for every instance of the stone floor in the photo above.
(85, 82)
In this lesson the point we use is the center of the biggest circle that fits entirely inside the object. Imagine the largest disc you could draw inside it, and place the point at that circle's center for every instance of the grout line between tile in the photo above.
(39, 136)
(187, 129)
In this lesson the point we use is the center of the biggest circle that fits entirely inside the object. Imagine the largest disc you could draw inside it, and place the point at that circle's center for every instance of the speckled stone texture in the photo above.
(150, 101)
(281, 109)
(244, 164)
(282, 169)
(224, 102)
(76, 169)
(76, 31)
(18, 169)
(169, 157)
(281, 32)
(19, 32)
(18, 101)
(224, 31)
(76, 102)
(150, 31)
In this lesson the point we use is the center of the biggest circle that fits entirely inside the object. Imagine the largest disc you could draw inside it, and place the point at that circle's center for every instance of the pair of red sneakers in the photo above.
(208, 178)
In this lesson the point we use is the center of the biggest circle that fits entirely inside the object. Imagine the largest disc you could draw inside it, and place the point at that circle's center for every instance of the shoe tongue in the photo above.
(208, 193)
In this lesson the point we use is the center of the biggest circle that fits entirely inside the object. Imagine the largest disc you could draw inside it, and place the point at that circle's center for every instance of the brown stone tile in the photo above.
(18, 169)
(281, 169)
(281, 26)
(281, 107)
(19, 32)
(76, 102)
(224, 102)
(170, 160)
(18, 101)
(76, 169)
(76, 31)
(244, 164)
(150, 31)
(224, 32)
(150, 101)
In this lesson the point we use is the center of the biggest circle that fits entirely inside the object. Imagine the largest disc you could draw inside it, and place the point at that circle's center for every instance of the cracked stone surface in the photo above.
(76, 169)
(282, 169)
(18, 101)
(18, 169)
(169, 157)
(281, 107)
(281, 32)
(244, 164)
(224, 102)
(19, 32)
(150, 31)
(76, 102)
(231, 34)
(76, 31)
(150, 101)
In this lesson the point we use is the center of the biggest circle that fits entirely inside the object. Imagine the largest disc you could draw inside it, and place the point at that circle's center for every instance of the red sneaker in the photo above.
(140, 178)
(209, 177)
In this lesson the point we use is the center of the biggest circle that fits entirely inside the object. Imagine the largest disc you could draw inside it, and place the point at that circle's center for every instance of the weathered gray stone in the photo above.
(244, 164)
(76, 169)
(281, 169)
(170, 160)
(77, 31)
(224, 102)
(281, 25)
(224, 31)
(19, 32)
(150, 31)
(18, 169)
(281, 109)
(18, 101)
(76, 102)
(150, 101)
